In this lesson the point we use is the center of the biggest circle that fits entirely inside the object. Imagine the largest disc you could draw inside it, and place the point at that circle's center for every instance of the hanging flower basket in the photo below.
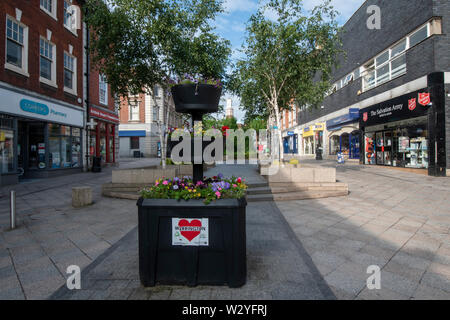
(196, 98)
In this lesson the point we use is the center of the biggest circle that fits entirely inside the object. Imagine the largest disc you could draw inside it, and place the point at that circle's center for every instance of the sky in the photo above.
(231, 25)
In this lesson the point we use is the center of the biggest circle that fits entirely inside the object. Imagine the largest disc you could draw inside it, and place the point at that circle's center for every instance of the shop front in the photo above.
(102, 137)
(402, 132)
(312, 138)
(38, 137)
(290, 143)
(344, 135)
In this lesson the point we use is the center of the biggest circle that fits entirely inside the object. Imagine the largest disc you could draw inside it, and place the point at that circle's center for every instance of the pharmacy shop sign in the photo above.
(411, 105)
(190, 232)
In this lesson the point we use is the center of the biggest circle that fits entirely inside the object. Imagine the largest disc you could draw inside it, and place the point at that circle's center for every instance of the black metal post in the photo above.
(197, 168)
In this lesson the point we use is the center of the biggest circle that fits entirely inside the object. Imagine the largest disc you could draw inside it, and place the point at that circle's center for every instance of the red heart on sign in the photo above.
(190, 230)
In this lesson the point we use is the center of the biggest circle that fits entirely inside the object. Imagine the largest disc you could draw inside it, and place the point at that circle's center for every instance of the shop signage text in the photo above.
(399, 108)
(23, 105)
(94, 112)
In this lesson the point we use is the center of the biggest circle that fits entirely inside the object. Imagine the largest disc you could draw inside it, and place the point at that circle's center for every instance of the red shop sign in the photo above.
(94, 112)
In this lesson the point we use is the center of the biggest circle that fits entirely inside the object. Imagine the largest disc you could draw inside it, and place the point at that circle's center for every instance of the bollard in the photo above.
(13, 209)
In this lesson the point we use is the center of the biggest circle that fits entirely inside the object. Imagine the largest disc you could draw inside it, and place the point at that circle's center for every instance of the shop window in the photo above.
(345, 144)
(369, 148)
(335, 145)
(70, 80)
(103, 89)
(16, 46)
(102, 140)
(76, 148)
(93, 143)
(47, 62)
(134, 143)
(6, 151)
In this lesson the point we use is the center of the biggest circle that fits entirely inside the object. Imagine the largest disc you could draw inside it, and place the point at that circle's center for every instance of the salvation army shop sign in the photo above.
(190, 232)
(411, 105)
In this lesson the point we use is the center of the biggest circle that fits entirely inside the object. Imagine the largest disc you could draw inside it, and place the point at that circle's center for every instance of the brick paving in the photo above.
(278, 265)
(51, 235)
(396, 220)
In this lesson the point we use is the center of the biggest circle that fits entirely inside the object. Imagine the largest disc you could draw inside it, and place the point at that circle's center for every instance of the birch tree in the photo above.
(287, 60)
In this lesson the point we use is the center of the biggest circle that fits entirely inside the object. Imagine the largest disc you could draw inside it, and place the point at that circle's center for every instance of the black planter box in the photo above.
(221, 262)
(199, 99)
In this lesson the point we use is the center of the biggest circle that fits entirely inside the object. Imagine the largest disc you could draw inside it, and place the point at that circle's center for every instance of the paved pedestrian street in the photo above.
(309, 249)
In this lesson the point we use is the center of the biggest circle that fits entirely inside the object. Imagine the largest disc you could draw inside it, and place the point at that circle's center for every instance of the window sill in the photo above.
(53, 15)
(48, 82)
(74, 32)
(16, 69)
(71, 91)
(103, 103)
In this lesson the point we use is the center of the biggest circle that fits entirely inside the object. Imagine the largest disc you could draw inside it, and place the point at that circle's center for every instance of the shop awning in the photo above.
(340, 131)
(132, 133)
(337, 123)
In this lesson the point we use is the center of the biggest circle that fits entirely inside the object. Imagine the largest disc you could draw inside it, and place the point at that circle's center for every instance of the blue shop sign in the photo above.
(290, 133)
(34, 107)
(352, 116)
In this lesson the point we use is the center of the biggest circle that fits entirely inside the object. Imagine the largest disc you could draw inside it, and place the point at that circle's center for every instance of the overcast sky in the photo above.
(231, 24)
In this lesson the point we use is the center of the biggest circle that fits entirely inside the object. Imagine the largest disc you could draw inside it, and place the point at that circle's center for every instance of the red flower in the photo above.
(224, 130)
(239, 180)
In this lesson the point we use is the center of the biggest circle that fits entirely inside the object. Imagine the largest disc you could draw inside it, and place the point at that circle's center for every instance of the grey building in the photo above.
(390, 104)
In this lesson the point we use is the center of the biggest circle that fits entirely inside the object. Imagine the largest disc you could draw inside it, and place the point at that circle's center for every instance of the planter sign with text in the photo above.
(190, 232)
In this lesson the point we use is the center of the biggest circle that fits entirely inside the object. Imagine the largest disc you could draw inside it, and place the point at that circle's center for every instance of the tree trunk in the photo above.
(280, 138)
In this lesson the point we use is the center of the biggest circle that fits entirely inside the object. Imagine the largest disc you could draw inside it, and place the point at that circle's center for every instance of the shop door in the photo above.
(379, 143)
(388, 148)
(286, 145)
(31, 146)
(22, 147)
(354, 146)
(296, 144)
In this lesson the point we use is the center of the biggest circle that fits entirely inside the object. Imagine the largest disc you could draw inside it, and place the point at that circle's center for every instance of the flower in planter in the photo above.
(209, 190)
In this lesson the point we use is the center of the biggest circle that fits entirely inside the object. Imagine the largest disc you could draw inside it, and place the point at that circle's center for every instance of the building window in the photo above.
(68, 15)
(70, 81)
(16, 46)
(134, 143)
(47, 62)
(156, 91)
(49, 7)
(103, 90)
(418, 36)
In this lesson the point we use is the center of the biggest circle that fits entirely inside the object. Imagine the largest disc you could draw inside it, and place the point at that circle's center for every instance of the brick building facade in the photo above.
(41, 89)
(139, 118)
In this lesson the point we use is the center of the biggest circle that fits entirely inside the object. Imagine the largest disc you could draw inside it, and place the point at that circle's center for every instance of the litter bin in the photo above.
(190, 243)
(96, 164)
(319, 152)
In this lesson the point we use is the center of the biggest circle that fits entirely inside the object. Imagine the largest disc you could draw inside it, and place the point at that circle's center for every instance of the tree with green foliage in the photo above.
(288, 60)
(143, 43)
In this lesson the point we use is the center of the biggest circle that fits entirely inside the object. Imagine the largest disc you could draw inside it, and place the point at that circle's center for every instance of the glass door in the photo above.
(388, 148)
(379, 140)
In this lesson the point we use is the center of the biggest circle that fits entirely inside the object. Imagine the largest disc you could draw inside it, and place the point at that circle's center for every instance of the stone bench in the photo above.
(81, 197)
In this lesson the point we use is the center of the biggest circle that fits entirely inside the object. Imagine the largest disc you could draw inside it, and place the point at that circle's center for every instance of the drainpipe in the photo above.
(88, 107)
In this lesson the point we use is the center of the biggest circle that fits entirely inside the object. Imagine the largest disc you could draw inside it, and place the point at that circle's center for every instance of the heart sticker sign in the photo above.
(190, 232)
